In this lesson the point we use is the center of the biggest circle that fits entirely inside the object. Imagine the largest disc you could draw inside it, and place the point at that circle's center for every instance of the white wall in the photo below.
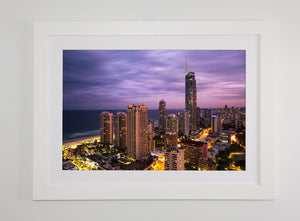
(16, 26)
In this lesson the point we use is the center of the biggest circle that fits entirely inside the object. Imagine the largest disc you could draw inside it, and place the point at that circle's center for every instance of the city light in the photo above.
(136, 118)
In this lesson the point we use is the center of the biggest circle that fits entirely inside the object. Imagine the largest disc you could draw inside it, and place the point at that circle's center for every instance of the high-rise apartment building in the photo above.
(191, 98)
(170, 139)
(150, 127)
(137, 132)
(183, 123)
(172, 123)
(151, 141)
(162, 117)
(216, 125)
(106, 128)
(198, 118)
(174, 158)
(120, 130)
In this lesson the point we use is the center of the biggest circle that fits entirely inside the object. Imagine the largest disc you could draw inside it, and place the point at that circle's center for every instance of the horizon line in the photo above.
(148, 109)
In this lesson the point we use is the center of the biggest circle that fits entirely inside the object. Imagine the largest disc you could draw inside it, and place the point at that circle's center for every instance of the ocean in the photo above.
(85, 123)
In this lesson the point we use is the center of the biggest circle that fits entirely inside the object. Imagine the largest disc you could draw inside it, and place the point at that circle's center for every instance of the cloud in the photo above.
(100, 79)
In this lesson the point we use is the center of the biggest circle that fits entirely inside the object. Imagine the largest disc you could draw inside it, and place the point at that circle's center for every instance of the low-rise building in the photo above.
(205, 164)
(174, 158)
(193, 150)
(212, 153)
(220, 146)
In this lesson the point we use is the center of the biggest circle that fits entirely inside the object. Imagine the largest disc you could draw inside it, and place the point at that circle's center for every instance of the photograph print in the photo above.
(154, 110)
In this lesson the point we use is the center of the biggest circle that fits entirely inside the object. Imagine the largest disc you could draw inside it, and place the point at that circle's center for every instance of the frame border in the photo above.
(42, 190)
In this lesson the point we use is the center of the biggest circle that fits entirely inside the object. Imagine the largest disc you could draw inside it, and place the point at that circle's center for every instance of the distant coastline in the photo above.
(78, 141)
(79, 124)
(82, 124)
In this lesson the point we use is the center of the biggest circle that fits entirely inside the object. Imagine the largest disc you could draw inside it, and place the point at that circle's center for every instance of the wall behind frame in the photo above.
(16, 19)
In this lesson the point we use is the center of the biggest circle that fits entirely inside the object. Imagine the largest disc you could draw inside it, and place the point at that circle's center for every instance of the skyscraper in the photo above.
(216, 123)
(191, 98)
(172, 123)
(106, 128)
(151, 142)
(198, 116)
(137, 133)
(120, 130)
(162, 118)
(183, 123)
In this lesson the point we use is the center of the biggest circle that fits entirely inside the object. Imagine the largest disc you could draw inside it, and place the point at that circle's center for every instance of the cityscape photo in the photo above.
(154, 110)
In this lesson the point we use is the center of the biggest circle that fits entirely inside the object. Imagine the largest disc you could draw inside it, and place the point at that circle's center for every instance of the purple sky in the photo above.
(101, 79)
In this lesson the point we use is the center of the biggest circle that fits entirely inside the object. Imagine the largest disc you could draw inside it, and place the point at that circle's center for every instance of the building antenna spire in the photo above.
(185, 63)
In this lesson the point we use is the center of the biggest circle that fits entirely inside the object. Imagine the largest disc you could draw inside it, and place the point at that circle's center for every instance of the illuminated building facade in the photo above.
(198, 117)
(172, 123)
(170, 139)
(211, 154)
(238, 124)
(193, 150)
(106, 128)
(151, 141)
(205, 164)
(120, 130)
(183, 123)
(137, 131)
(162, 117)
(174, 159)
(191, 98)
(205, 151)
(225, 136)
(206, 118)
(216, 123)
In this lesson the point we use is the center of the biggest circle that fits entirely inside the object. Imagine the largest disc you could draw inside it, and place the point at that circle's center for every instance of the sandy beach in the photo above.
(81, 140)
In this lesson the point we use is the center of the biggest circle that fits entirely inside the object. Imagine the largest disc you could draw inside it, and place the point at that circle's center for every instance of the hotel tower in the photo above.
(106, 128)
(162, 118)
(183, 123)
(120, 130)
(137, 133)
(191, 97)
(172, 123)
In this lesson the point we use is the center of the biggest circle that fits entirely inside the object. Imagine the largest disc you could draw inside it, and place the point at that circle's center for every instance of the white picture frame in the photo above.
(47, 98)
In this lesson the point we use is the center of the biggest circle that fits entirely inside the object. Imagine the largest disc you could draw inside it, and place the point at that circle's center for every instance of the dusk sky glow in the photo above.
(111, 79)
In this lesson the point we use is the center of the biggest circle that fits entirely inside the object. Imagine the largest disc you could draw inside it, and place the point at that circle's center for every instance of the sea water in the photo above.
(85, 123)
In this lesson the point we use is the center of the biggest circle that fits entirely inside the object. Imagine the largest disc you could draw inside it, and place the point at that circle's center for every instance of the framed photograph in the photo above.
(153, 110)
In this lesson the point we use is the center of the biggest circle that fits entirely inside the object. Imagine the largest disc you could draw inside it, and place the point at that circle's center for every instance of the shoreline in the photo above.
(81, 140)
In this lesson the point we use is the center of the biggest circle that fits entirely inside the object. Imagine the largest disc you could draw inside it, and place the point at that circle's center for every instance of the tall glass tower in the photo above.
(191, 97)
(162, 118)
